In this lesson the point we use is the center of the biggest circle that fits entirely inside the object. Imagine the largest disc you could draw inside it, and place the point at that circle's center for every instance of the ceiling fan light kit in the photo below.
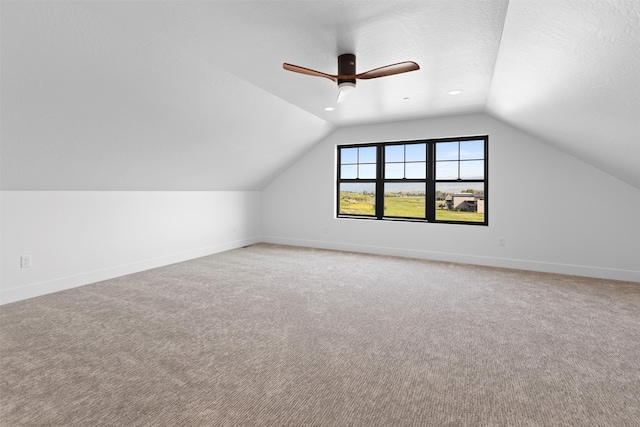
(344, 89)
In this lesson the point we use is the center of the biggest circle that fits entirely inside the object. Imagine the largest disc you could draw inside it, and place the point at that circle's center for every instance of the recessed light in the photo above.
(406, 98)
(455, 92)
(329, 108)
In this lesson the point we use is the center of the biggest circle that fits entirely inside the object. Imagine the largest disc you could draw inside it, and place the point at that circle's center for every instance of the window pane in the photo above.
(348, 171)
(394, 153)
(367, 155)
(472, 169)
(404, 199)
(348, 155)
(367, 172)
(446, 170)
(471, 150)
(357, 199)
(394, 170)
(447, 151)
(460, 201)
(416, 152)
(416, 170)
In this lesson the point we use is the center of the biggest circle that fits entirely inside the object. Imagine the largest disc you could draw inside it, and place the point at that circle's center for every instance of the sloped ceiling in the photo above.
(188, 95)
(569, 73)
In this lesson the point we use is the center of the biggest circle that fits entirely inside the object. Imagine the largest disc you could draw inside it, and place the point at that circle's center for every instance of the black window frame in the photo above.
(430, 181)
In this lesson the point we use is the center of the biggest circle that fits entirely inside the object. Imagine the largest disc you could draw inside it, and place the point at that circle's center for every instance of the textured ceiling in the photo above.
(188, 95)
(569, 73)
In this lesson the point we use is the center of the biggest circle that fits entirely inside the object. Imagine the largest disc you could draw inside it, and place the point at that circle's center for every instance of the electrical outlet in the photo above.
(501, 241)
(326, 230)
(25, 261)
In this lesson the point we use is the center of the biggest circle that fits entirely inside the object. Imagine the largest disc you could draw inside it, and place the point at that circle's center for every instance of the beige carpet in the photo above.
(282, 336)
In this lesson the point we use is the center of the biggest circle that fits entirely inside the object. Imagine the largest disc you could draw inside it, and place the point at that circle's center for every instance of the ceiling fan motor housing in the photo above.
(347, 66)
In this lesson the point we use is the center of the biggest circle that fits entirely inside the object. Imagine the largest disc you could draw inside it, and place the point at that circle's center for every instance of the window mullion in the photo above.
(380, 181)
(458, 160)
(404, 164)
(430, 204)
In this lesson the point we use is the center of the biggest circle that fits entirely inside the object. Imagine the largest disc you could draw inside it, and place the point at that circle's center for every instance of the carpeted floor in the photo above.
(283, 336)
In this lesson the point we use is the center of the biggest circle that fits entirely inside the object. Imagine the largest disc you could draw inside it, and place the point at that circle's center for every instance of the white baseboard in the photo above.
(63, 283)
(60, 284)
(519, 264)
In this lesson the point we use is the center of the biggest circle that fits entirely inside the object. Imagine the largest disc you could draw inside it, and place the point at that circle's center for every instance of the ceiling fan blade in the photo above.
(389, 70)
(308, 71)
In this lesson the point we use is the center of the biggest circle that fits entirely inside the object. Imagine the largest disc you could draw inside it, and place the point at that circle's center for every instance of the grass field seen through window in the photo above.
(400, 205)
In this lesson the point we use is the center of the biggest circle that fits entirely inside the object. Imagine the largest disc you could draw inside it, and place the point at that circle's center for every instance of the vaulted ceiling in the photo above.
(191, 95)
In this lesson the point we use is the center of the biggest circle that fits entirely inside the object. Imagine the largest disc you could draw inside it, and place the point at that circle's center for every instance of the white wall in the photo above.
(556, 213)
(80, 237)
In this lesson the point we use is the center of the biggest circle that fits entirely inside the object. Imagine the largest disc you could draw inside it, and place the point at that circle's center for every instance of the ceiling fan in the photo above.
(346, 77)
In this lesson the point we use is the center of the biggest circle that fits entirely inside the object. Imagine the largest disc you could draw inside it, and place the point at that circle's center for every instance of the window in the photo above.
(440, 180)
